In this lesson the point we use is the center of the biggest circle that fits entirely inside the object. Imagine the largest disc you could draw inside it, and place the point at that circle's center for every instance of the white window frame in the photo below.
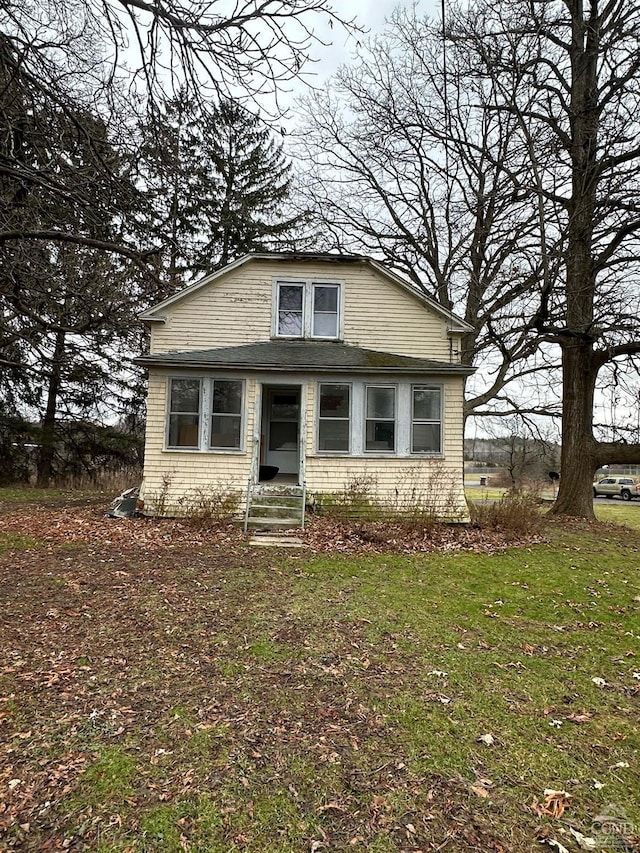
(205, 415)
(194, 448)
(381, 451)
(404, 419)
(209, 432)
(308, 286)
(349, 420)
(426, 386)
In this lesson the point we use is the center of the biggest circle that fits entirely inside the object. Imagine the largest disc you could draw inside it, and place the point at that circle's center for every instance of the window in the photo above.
(380, 425)
(184, 413)
(426, 419)
(290, 310)
(334, 418)
(325, 311)
(226, 414)
(307, 309)
(205, 414)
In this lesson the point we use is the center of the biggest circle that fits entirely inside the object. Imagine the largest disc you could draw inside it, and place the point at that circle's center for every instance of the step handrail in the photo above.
(253, 478)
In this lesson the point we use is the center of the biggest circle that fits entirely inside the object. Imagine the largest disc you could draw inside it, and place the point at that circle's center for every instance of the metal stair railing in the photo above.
(253, 479)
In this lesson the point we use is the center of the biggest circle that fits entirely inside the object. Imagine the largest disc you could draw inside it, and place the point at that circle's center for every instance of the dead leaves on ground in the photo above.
(325, 534)
(59, 525)
(82, 640)
(553, 805)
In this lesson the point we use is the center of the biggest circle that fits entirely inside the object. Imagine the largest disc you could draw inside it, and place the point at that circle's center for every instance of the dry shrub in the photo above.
(422, 499)
(211, 508)
(515, 512)
(356, 500)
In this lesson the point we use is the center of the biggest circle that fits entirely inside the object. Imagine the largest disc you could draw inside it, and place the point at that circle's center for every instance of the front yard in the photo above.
(169, 689)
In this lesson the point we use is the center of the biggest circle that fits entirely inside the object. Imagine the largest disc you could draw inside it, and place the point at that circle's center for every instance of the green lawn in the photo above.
(165, 695)
(619, 512)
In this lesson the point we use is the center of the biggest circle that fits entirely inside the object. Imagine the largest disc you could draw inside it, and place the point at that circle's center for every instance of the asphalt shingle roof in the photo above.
(301, 356)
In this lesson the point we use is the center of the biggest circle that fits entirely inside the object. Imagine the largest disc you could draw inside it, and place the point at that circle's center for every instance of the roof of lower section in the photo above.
(456, 324)
(303, 356)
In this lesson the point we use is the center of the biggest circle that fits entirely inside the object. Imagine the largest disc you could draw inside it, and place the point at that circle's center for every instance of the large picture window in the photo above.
(426, 419)
(307, 309)
(226, 415)
(380, 424)
(184, 413)
(334, 419)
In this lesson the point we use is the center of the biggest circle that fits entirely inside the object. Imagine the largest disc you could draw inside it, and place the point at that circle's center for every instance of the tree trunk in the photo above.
(579, 371)
(577, 461)
(47, 441)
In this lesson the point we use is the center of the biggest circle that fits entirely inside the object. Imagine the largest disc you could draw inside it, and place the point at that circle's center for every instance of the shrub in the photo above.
(211, 507)
(515, 512)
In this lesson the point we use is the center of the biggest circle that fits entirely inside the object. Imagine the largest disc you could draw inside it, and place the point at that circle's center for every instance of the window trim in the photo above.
(209, 430)
(423, 386)
(308, 290)
(205, 415)
(192, 448)
(276, 312)
(341, 453)
(381, 451)
(312, 312)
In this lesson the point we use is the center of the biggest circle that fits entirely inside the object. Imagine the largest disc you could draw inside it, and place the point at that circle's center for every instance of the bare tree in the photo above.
(527, 455)
(123, 59)
(78, 254)
(407, 162)
(577, 105)
(508, 188)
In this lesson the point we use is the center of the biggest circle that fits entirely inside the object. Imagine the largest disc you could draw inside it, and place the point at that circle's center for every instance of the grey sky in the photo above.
(370, 14)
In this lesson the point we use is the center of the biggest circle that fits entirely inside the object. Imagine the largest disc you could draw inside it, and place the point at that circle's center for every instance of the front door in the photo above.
(282, 429)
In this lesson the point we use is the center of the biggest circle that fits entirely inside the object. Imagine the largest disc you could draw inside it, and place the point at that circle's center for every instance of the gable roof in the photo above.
(456, 324)
(302, 356)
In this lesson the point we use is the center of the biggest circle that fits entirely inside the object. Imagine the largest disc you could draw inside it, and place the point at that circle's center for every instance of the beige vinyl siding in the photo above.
(174, 480)
(237, 309)
(403, 484)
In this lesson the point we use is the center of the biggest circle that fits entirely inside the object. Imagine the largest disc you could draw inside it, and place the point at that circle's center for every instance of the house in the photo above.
(304, 377)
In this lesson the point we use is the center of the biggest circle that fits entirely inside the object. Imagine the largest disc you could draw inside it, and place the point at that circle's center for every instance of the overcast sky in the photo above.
(370, 14)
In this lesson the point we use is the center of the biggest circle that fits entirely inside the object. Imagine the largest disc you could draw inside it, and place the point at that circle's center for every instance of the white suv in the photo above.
(624, 487)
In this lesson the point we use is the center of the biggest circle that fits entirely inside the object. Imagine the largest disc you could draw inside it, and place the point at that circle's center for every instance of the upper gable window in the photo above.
(308, 309)
(290, 310)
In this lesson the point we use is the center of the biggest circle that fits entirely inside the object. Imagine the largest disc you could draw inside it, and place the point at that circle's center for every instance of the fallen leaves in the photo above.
(584, 842)
(324, 534)
(204, 668)
(580, 717)
(481, 787)
(554, 803)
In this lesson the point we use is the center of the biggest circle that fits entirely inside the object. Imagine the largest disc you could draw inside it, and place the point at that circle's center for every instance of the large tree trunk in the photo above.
(577, 465)
(577, 462)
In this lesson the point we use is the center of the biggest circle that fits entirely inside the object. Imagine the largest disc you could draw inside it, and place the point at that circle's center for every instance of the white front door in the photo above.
(282, 434)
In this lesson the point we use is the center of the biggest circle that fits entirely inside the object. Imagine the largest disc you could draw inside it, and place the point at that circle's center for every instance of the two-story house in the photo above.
(323, 373)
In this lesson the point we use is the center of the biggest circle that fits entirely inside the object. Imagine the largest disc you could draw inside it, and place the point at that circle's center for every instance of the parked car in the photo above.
(622, 487)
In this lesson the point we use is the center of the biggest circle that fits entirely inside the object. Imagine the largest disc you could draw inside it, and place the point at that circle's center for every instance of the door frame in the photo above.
(268, 390)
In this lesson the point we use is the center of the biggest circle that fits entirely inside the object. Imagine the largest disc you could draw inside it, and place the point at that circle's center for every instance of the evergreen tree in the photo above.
(66, 308)
(219, 184)
(253, 181)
